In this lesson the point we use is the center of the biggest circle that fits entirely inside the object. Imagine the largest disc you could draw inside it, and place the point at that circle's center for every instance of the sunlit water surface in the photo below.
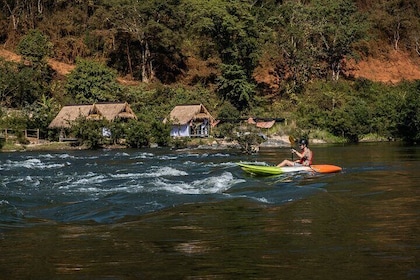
(193, 214)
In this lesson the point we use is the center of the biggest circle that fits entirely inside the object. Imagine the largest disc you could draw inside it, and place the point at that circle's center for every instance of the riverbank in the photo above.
(204, 143)
(200, 143)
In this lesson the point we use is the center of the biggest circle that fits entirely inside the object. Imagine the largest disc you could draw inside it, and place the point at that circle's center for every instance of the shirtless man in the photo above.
(305, 156)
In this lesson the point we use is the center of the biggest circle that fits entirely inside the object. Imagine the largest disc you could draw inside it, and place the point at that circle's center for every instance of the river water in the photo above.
(193, 214)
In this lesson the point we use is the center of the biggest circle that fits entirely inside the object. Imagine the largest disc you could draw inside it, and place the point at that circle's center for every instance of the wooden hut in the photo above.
(108, 111)
(190, 121)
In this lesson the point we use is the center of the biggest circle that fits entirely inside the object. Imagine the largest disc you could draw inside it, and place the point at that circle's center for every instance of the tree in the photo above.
(92, 82)
(295, 58)
(312, 40)
(226, 27)
(32, 78)
(233, 86)
(22, 85)
(337, 26)
(89, 132)
(351, 121)
(42, 113)
(409, 118)
(399, 21)
(149, 37)
(8, 83)
(137, 134)
(35, 47)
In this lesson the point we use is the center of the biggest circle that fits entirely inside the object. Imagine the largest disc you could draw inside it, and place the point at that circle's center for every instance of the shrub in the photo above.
(137, 134)
(409, 118)
(90, 132)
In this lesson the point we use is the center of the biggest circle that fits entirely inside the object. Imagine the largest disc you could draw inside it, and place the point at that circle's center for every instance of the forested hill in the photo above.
(316, 61)
(187, 40)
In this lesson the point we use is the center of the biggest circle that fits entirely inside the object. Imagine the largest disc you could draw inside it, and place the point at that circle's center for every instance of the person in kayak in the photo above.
(305, 156)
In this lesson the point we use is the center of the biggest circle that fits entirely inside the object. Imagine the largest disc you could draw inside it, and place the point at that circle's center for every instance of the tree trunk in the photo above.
(397, 35)
(130, 66)
(336, 69)
(15, 20)
(147, 71)
(40, 7)
(144, 76)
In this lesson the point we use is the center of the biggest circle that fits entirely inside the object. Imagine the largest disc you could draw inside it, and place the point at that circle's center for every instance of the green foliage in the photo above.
(92, 82)
(89, 132)
(226, 27)
(149, 38)
(25, 83)
(160, 133)
(303, 41)
(15, 121)
(351, 112)
(234, 87)
(351, 120)
(248, 138)
(34, 46)
(384, 102)
(409, 118)
(42, 113)
(137, 134)
(117, 129)
(337, 25)
(226, 129)
(310, 41)
(8, 83)
(397, 22)
(228, 111)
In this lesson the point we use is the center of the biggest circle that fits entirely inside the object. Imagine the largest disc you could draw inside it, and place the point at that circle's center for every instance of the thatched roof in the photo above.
(108, 111)
(183, 114)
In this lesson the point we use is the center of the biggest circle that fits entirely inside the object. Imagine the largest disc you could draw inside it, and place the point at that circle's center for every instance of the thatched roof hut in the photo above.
(190, 120)
(183, 114)
(108, 111)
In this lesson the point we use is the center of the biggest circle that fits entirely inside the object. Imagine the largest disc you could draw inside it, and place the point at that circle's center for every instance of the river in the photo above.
(193, 214)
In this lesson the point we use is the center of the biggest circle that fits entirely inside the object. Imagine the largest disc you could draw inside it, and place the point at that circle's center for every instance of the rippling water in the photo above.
(193, 214)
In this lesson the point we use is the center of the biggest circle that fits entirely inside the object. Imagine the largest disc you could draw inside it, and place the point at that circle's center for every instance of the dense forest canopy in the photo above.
(156, 39)
(215, 45)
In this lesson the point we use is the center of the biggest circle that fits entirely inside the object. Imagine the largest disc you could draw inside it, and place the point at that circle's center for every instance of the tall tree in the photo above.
(399, 20)
(35, 47)
(337, 26)
(226, 27)
(313, 39)
(233, 86)
(295, 59)
(92, 82)
(150, 37)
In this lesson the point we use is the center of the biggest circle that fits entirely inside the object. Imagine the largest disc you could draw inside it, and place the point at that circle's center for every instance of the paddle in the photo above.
(292, 141)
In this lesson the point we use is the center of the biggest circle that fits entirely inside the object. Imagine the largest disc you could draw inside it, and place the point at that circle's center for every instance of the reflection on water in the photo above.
(360, 224)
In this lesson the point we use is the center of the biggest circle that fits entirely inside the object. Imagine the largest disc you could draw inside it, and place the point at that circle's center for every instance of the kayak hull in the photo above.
(264, 170)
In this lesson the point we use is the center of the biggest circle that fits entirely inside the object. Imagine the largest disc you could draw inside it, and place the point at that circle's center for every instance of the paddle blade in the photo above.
(292, 140)
(326, 168)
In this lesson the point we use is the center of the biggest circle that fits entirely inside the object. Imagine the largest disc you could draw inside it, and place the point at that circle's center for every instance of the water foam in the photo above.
(210, 185)
(32, 163)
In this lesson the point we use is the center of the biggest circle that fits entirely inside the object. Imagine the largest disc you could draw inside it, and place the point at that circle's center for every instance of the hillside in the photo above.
(392, 68)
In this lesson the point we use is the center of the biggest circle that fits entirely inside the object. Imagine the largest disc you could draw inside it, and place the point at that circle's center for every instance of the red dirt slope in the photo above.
(396, 67)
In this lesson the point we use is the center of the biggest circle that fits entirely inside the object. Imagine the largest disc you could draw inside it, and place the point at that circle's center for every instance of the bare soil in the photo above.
(395, 67)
